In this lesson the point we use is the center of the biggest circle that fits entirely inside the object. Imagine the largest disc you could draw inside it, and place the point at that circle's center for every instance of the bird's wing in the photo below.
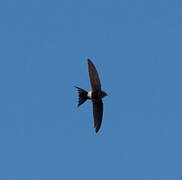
(94, 77)
(97, 113)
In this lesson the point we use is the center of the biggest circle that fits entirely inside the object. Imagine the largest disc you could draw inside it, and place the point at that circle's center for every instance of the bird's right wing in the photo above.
(97, 113)
(94, 77)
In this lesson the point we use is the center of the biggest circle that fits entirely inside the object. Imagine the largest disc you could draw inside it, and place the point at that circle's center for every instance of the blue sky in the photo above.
(136, 47)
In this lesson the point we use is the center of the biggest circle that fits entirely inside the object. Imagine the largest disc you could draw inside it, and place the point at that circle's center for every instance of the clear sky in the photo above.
(136, 46)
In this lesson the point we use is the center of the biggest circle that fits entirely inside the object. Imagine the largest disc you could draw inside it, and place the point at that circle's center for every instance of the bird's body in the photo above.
(95, 95)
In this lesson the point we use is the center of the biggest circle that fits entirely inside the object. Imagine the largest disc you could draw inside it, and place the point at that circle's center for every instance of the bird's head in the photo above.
(104, 94)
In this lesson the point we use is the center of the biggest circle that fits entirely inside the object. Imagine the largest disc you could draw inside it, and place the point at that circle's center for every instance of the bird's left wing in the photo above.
(94, 77)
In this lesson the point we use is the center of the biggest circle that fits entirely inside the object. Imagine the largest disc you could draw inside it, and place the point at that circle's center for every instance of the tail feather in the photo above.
(82, 96)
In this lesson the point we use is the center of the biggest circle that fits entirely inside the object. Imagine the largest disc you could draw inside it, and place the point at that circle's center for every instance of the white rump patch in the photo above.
(89, 94)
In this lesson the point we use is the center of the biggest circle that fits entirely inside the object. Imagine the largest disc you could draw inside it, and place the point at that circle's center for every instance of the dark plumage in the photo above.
(95, 95)
(82, 95)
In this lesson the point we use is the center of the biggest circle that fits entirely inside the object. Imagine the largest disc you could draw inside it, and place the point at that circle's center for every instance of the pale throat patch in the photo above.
(89, 94)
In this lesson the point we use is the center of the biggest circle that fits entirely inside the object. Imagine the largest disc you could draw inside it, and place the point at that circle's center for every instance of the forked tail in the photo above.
(82, 96)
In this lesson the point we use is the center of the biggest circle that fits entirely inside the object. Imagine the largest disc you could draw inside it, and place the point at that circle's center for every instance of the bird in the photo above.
(95, 95)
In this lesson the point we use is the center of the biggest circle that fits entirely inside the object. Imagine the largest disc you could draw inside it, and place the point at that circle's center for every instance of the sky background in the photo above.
(136, 46)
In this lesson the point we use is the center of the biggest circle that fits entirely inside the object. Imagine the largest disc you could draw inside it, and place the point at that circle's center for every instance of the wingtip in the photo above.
(89, 61)
(96, 130)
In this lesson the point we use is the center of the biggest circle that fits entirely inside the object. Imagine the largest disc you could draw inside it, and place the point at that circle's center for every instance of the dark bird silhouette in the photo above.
(95, 95)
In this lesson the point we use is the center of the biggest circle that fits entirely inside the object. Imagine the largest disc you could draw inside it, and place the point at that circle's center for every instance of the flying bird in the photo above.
(95, 95)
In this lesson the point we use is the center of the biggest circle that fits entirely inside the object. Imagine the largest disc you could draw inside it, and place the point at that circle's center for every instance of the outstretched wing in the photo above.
(94, 77)
(97, 113)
